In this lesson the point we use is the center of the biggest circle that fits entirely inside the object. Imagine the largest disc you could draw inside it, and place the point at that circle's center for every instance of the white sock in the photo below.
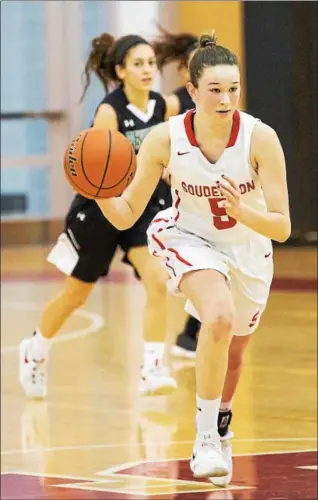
(40, 346)
(207, 414)
(154, 348)
(152, 351)
(225, 406)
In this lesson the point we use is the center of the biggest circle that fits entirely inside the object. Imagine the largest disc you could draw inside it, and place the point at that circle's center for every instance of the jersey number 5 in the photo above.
(220, 218)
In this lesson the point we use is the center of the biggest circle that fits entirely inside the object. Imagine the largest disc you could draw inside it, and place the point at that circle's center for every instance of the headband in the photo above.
(121, 50)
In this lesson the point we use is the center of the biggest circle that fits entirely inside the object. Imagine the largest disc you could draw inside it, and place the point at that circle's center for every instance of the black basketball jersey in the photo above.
(135, 125)
(132, 122)
(185, 100)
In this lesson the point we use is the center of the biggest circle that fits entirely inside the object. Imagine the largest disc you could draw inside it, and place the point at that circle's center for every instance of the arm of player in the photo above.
(152, 158)
(267, 155)
(106, 118)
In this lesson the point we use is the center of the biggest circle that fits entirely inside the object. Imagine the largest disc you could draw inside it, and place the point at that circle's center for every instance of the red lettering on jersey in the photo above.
(184, 187)
(220, 218)
(250, 186)
(198, 191)
(215, 192)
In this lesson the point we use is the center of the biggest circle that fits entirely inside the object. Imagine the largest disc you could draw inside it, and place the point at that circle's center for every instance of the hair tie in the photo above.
(210, 43)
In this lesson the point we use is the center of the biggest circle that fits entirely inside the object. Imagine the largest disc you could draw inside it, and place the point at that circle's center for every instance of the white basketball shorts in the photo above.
(247, 266)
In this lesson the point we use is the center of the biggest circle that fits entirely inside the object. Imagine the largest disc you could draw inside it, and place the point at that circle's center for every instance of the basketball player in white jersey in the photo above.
(228, 181)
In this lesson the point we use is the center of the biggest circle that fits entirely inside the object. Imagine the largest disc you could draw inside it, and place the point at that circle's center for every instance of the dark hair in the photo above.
(106, 53)
(169, 47)
(209, 54)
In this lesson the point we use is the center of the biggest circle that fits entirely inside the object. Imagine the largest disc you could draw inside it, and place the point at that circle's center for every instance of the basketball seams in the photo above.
(88, 195)
(126, 173)
(107, 162)
(83, 168)
(79, 189)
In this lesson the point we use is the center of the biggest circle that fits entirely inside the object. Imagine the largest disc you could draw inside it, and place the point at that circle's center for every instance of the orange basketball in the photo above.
(100, 163)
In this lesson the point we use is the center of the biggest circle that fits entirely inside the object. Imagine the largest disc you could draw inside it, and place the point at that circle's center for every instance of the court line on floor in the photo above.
(161, 483)
(128, 465)
(154, 443)
(97, 322)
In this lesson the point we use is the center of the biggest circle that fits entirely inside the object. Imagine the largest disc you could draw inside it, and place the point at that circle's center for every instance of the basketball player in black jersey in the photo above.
(84, 251)
(179, 47)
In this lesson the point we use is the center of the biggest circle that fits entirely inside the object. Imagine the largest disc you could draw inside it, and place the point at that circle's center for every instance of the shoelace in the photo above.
(209, 444)
(154, 367)
(38, 371)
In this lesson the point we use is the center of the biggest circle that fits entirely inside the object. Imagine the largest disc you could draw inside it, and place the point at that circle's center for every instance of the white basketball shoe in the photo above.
(155, 378)
(227, 455)
(207, 459)
(32, 373)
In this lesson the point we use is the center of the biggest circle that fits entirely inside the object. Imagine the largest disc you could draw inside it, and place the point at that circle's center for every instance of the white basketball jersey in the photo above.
(194, 180)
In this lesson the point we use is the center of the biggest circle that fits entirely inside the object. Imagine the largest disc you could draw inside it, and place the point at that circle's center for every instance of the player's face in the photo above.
(218, 91)
(140, 68)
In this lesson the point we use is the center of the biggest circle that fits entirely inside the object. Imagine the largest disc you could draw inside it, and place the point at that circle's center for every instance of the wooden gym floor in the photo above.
(95, 438)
